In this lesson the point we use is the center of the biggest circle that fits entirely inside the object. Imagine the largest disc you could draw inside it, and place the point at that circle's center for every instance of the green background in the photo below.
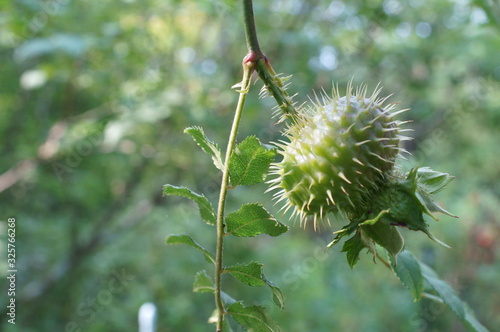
(94, 97)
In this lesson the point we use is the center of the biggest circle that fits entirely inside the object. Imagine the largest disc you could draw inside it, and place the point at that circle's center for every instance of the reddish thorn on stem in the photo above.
(253, 57)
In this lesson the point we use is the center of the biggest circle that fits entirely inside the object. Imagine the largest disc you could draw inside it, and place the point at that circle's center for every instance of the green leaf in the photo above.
(253, 318)
(451, 299)
(202, 283)
(207, 145)
(249, 162)
(408, 271)
(277, 294)
(352, 248)
(186, 239)
(207, 211)
(385, 235)
(432, 181)
(251, 220)
(430, 204)
(251, 275)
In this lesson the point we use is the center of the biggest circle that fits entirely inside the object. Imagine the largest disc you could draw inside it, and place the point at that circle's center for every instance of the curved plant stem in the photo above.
(274, 82)
(245, 84)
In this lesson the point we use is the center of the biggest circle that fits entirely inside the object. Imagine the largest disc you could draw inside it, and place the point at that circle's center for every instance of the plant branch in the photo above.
(245, 84)
(251, 32)
(274, 83)
(276, 86)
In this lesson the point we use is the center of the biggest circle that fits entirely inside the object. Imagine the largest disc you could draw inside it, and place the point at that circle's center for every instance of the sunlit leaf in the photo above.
(251, 220)
(249, 162)
(207, 145)
(207, 211)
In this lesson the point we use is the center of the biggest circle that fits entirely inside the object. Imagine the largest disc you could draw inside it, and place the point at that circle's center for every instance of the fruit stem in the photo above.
(274, 84)
(245, 84)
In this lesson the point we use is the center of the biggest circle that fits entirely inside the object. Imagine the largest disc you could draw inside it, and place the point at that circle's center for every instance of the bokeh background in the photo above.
(94, 97)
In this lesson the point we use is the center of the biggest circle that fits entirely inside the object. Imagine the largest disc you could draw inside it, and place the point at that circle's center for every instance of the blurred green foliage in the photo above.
(94, 97)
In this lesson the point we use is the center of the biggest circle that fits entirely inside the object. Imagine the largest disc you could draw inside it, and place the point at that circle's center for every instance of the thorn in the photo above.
(345, 192)
(329, 193)
(236, 86)
(399, 112)
(347, 195)
(288, 206)
(375, 168)
(343, 177)
(383, 100)
(377, 118)
(356, 160)
(364, 142)
(281, 199)
(379, 157)
(364, 128)
(311, 198)
(404, 138)
(283, 207)
(349, 128)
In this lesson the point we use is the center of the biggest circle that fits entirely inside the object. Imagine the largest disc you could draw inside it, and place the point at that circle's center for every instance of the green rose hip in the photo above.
(338, 152)
(340, 158)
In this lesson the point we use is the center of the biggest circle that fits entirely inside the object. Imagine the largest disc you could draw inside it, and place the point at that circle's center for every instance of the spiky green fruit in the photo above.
(338, 152)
